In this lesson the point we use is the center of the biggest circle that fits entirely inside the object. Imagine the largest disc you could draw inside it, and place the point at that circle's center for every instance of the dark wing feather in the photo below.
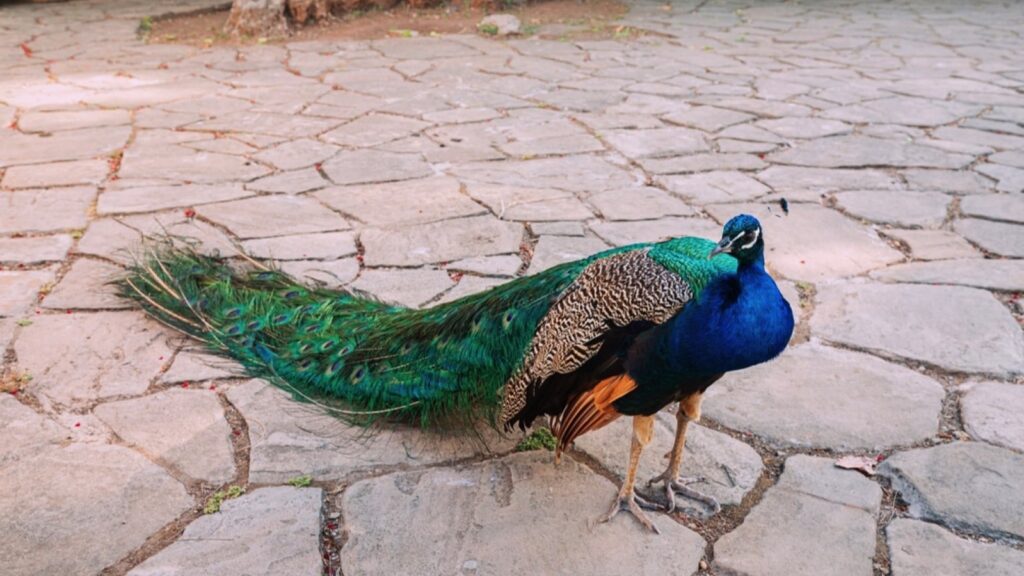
(610, 294)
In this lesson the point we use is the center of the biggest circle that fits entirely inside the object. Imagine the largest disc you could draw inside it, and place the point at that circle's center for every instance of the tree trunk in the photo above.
(257, 18)
(303, 10)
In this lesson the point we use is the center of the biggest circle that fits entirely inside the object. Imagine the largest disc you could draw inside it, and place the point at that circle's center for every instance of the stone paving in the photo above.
(423, 169)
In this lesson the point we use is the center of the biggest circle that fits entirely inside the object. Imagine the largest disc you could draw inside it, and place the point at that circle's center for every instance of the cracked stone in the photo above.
(924, 549)
(100, 501)
(902, 208)
(294, 182)
(179, 164)
(374, 129)
(1005, 207)
(409, 202)
(729, 467)
(1005, 275)
(488, 265)
(656, 142)
(320, 246)
(998, 237)
(119, 239)
(623, 233)
(1010, 179)
(411, 288)
(81, 144)
(331, 273)
(932, 481)
(87, 285)
(19, 289)
(815, 396)
(39, 121)
(795, 178)
(45, 210)
(76, 358)
(196, 367)
(994, 412)
(805, 128)
(638, 204)
(394, 521)
(296, 154)
(975, 333)
(150, 198)
(34, 249)
(858, 151)
(573, 173)
(268, 531)
(934, 244)
(529, 204)
(813, 243)
(440, 241)
(23, 432)
(554, 250)
(269, 215)
(468, 286)
(905, 111)
(58, 174)
(708, 118)
(366, 166)
(703, 163)
(185, 428)
(805, 526)
(715, 187)
(959, 182)
(295, 439)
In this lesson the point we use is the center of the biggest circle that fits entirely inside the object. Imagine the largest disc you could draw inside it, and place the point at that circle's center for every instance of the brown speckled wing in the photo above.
(611, 292)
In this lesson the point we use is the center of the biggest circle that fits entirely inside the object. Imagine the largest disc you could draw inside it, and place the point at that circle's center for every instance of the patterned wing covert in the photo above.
(610, 292)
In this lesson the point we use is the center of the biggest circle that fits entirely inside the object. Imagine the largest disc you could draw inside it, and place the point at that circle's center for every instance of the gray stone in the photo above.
(905, 111)
(501, 24)
(408, 202)
(923, 549)
(932, 481)
(656, 142)
(998, 237)
(321, 246)
(20, 289)
(809, 524)
(858, 151)
(120, 239)
(296, 154)
(488, 265)
(729, 468)
(1005, 207)
(411, 288)
(23, 432)
(45, 210)
(151, 198)
(99, 501)
(562, 228)
(294, 182)
(815, 396)
(183, 428)
(374, 129)
(994, 412)
(322, 272)
(58, 174)
(900, 208)
(574, 173)
(266, 532)
(462, 115)
(191, 366)
(715, 187)
(178, 164)
(1007, 275)
(813, 243)
(638, 204)
(973, 333)
(87, 286)
(269, 123)
(801, 128)
(271, 215)
(553, 250)
(959, 182)
(34, 249)
(298, 439)
(703, 163)
(623, 233)
(365, 166)
(934, 244)
(39, 121)
(468, 286)
(708, 118)
(1013, 158)
(794, 178)
(16, 148)
(979, 137)
(529, 204)
(1009, 179)
(76, 358)
(440, 241)
(393, 523)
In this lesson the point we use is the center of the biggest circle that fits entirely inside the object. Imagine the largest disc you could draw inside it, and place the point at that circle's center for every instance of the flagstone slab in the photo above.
(994, 412)
(899, 208)
(572, 173)
(974, 333)
(87, 285)
(45, 210)
(440, 241)
(529, 204)
(645, 203)
(934, 244)
(924, 549)
(715, 186)
(859, 151)
(75, 172)
(317, 246)
(122, 200)
(412, 288)
(408, 202)
(16, 148)
(656, 142)
(1000, 238)
(624, 233)
(1005, 207)
(553, 250)
(393, 523)
(273, 216)
(34, 249)
(1007, 275)
(368, 166)
(24, 432)
(20, 289)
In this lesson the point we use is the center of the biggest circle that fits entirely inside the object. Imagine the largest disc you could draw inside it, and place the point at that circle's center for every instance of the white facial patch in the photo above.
(757, 235)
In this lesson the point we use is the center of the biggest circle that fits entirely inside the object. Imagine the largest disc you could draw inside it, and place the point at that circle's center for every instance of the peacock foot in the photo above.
(632, 503)
(680, 487)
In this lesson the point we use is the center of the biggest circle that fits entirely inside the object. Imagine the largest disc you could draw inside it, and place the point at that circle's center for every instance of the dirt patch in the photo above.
(551, 19)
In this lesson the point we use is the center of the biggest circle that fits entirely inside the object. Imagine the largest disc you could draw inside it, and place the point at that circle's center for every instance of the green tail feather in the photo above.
(359, 357)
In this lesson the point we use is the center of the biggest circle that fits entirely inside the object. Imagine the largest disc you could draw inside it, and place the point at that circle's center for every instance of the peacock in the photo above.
(625, 332)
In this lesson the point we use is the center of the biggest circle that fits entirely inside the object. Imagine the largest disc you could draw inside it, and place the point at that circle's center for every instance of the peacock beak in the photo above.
(724, 247)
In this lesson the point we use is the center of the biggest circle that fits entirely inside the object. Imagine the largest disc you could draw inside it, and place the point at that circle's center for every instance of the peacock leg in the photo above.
(627, 499)
(689, 410)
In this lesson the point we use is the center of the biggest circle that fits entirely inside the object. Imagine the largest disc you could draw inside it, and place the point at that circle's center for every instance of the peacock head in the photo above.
(742, 238)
